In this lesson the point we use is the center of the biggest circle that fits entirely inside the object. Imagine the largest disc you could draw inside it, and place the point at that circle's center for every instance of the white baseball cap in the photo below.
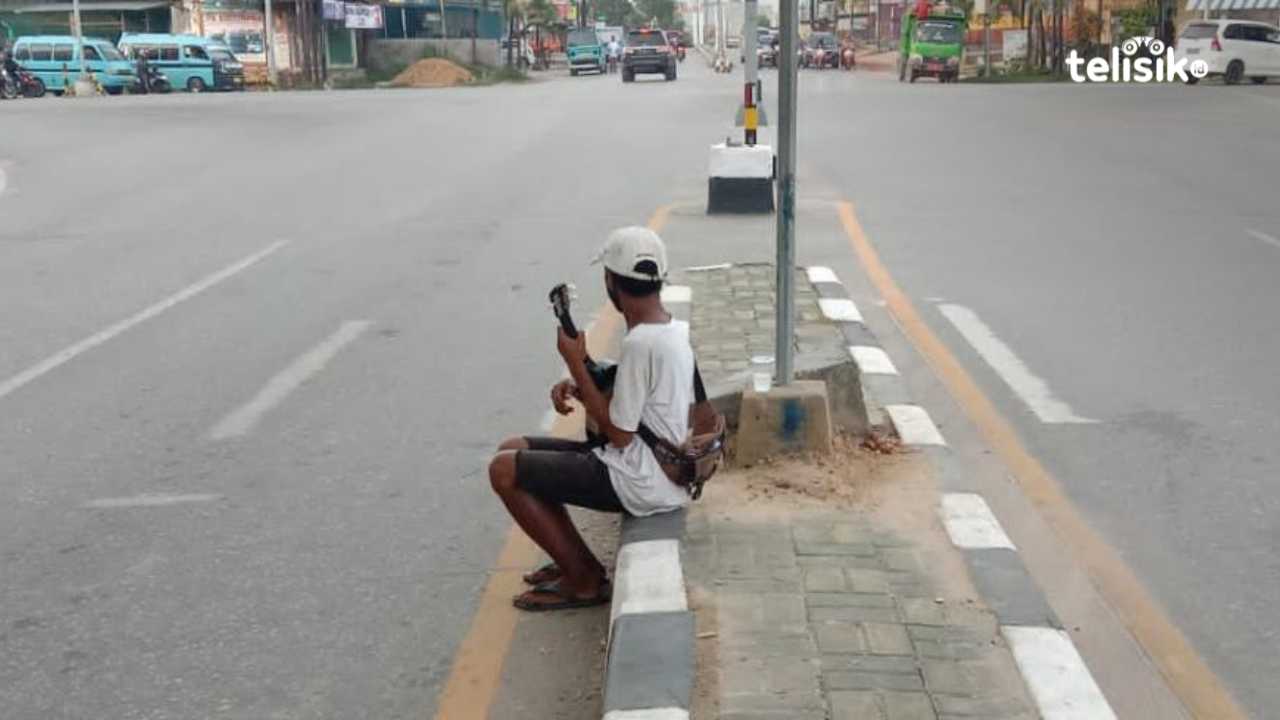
(635, 252)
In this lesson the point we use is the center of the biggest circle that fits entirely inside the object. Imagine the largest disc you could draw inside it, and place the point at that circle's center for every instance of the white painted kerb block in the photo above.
(913, 425)
(819, 274)
(872, 360)
(649, 579)
(741, 161)
(1060, 682)
(676, 294)
(648, 714)
(971, 524)
(840, 309)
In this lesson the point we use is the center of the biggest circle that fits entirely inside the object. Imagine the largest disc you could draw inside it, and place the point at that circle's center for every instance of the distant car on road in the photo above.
(585, 51)
(1234, 49)
(648, 51)
(733, 41)
(820, 51)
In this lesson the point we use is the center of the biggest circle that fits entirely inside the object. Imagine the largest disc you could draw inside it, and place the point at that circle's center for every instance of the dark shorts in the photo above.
(567, 472)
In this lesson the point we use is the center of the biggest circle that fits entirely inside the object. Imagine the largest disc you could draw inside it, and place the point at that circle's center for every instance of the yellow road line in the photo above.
(477, 664)
(1182, 667)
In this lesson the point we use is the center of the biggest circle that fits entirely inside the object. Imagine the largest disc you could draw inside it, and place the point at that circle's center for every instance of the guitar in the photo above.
(602, 373)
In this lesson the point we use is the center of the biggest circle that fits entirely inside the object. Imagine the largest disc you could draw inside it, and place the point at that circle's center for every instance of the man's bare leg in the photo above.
(548, 525)
(564, 522)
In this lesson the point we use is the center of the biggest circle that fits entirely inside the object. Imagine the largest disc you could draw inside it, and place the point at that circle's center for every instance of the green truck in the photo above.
(585, 51)
(932, 43)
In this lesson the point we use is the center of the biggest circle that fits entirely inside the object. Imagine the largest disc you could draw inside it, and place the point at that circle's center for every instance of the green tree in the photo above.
(615, 12)
(540, 12)
(763, 21)
(663, 11)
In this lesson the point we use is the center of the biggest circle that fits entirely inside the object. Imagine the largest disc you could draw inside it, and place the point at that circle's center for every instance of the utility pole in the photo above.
(980, 8)
(269, 44)
(986, 45)
(789, 26)
(444, 30)
(750, 114)
(720, 40)
(75, 11)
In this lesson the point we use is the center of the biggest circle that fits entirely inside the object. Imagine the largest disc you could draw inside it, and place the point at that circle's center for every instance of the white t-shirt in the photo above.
(654, 386)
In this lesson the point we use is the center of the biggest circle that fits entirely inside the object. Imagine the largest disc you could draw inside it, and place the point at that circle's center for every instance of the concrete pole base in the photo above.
(740, 179)
(784, 419)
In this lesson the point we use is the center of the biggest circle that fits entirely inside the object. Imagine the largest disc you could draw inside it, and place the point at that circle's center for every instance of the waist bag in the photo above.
(693, 462)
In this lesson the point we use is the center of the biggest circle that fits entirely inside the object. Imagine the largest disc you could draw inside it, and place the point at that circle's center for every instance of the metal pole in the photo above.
(789, 26)
(749, 113)
(986, 45)
(269, 44)
(719, 27)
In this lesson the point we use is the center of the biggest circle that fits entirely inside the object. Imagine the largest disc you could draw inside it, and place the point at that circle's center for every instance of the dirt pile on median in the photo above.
(849, 476)
(433, 73)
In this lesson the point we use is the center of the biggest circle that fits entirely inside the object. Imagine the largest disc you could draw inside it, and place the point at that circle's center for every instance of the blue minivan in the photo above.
(56, 61)
(189, 61)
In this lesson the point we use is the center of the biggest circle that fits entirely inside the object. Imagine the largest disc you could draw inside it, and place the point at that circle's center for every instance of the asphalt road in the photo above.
(264, 496)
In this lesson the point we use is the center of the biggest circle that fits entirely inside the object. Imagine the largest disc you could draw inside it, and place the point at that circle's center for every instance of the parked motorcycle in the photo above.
(679, 50)
(155, 82)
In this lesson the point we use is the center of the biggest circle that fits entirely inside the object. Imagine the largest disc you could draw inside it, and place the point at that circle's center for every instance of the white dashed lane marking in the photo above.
(1265, 238)
(71, 352)
(1033, 390)
(149, 500)
(243, 419)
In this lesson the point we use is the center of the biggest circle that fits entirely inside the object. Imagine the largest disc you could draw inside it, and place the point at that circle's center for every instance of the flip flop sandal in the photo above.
(602, 597)
(545, 574)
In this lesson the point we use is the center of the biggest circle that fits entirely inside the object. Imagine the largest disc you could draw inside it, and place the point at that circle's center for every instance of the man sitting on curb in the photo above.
(537, 477)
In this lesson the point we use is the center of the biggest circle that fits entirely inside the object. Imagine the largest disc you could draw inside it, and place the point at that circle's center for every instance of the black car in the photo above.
(648, 51)
(821, 50)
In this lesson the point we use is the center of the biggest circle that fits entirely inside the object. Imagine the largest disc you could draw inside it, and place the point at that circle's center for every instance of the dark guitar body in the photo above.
(603, 374)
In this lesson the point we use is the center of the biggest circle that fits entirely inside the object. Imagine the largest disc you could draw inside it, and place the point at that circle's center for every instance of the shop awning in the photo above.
(1211, 5)
(90, 6)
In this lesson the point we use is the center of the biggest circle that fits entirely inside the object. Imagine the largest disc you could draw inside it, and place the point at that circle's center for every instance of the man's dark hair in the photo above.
(635, 288)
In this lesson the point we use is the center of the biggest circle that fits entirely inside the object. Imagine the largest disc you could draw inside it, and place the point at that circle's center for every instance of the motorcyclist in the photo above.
(10, 67)
(144, 71)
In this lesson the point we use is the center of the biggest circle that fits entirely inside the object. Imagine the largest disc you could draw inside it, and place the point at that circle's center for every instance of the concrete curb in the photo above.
(1051, 667)
(650, 668)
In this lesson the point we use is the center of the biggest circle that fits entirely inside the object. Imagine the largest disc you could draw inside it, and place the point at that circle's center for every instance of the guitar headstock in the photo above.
(562, 297)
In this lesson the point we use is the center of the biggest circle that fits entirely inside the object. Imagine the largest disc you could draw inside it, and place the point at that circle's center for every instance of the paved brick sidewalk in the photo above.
(833, 615)
(734, 314)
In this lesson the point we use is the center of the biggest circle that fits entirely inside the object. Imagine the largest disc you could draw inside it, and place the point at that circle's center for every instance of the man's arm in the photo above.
(597, 406)
(574, 352)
